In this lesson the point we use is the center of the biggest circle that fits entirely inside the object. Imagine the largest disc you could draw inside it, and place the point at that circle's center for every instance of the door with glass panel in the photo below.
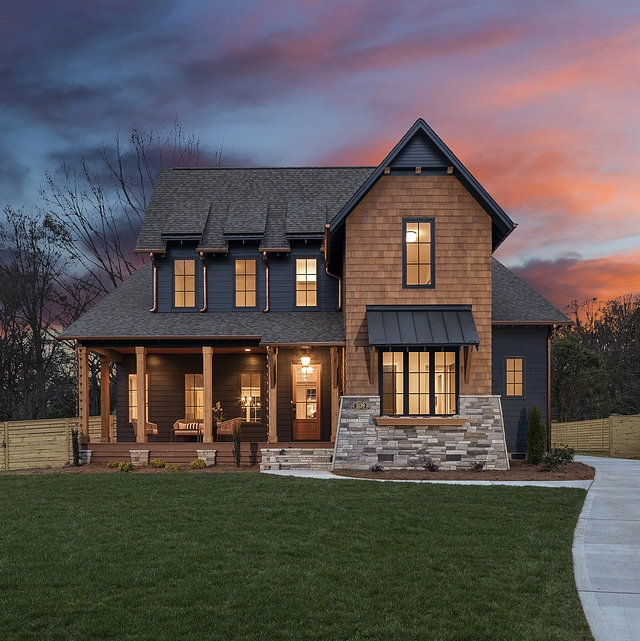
(306, 402)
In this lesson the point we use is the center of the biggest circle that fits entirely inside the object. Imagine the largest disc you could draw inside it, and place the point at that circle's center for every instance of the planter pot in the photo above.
(85, 457)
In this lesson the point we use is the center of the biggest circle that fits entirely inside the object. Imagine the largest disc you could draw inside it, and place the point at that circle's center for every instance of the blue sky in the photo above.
(538, 98)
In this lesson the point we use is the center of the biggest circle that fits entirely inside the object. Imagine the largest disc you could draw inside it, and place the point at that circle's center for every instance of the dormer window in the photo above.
(245, 283)
(184, 283)
(306, 282)
(419, 256)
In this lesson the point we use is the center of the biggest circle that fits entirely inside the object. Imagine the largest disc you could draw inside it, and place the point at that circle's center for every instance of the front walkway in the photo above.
(606, 550)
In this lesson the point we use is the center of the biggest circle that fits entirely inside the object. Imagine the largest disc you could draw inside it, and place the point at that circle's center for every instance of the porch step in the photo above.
(319, 458)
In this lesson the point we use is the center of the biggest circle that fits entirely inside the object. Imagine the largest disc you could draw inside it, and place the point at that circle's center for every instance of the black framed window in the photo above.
(250, 396)
(514, 370)
(419, 383)
(306, 282)
(184, 283)
(418, 252)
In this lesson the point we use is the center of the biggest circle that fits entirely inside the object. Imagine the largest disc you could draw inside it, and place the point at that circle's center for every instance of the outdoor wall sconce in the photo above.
(305, 359)
(412, 236)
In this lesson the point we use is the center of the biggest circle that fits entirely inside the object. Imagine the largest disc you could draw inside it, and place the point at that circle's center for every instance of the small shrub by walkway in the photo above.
(247, 556)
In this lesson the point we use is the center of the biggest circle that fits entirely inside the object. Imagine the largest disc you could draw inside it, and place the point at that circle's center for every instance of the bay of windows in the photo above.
(419, 383)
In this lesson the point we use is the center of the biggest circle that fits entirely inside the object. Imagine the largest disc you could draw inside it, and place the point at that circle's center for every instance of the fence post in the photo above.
(5, 439)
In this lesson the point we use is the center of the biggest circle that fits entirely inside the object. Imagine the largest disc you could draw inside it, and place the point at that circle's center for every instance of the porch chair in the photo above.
(225, 428)
(150, 429)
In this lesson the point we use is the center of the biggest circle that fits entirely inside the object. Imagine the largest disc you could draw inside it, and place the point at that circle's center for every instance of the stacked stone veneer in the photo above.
(292, 458)
(361, 442)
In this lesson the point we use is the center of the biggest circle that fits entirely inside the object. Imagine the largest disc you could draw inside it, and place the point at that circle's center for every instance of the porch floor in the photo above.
(184, 453)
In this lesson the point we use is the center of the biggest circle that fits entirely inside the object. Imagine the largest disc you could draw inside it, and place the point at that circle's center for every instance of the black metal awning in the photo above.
(423, 325)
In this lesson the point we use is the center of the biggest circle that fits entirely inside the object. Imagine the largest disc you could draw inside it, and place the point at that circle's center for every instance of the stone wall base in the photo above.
(476, 437)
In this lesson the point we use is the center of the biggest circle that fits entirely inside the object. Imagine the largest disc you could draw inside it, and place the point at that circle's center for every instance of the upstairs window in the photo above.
(245, 283)
(419, 259)
(306, 282)
(184, 283)
(514, 376)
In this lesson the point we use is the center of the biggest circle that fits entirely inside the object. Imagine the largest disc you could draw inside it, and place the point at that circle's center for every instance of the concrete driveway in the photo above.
(606, 550)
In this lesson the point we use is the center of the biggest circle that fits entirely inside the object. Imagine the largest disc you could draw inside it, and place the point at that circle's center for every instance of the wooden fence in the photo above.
(29, 444)
(618, 436)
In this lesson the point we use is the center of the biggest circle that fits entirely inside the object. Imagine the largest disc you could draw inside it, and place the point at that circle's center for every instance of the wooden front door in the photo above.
(306, 402)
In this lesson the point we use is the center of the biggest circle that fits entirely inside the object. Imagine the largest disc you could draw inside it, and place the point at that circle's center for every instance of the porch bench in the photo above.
(190, 427)
(225, 428)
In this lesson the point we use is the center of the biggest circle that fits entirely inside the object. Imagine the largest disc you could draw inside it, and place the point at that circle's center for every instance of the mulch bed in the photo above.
(520, 471)
(92, 468)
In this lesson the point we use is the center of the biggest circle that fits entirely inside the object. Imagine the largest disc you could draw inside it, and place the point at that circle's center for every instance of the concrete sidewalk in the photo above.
(606, 550)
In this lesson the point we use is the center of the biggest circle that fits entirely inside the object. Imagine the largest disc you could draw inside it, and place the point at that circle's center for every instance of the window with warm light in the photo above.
(250, 393)
(133, 397)
(419, 383)
(514, 376)
(306, 282)
(184, 283)
(194, 397)
(245, 283)
(419, 260)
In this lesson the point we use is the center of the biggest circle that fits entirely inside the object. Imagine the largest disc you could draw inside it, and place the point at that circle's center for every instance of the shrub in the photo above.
(198, 464)
(430, 466)
(157, 462)
(555, 459)
(237, 443)
(75, 446)
(125, 466)
(172, 467)
(536, 436)
(477, 467)
(113, 465)
(376, 468)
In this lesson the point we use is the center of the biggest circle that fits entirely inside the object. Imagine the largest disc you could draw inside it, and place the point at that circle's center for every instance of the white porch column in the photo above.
(207, 370)
(105, 398)
(83, 393)
(272, 368)
(141, 393)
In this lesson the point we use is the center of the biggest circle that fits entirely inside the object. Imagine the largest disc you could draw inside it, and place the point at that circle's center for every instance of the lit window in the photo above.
(245, 283)
(184, 283)
(419, 383)
(250, 397)
(306, 282)
(514, 376)
(418, 253)
(194, 396)
(133, 397)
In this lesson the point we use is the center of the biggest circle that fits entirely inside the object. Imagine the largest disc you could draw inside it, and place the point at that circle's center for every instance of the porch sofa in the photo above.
(189, 427)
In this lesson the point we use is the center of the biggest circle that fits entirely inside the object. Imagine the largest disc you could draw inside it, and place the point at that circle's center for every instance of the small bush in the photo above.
(536, 436)
(113, 465)
(558, 457)
(430, 466)
(172, 467)
(198, 464)
(376, 468)
(157, 462)
(75, 446)
(237, 444)
(125, 466)
(477, 467)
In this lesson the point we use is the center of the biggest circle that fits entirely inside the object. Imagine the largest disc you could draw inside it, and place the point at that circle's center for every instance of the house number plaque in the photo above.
(360, 405)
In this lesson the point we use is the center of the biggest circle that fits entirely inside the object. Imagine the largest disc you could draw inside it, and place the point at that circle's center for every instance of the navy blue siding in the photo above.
(529, 342)
(420, 152)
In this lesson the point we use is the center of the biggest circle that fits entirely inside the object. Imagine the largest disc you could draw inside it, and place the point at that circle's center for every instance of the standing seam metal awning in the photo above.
(424, 325)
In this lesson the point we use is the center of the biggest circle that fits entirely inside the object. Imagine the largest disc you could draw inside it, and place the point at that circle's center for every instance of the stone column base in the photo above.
(208, 456)
(139, 457)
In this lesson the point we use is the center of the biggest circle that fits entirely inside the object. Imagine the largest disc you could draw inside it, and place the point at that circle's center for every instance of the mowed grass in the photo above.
(248, 556)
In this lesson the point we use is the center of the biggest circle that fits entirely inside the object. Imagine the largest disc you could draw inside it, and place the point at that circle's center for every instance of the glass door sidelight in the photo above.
(306, 402)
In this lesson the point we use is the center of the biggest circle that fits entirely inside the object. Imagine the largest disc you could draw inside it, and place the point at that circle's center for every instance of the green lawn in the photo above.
(248, 556)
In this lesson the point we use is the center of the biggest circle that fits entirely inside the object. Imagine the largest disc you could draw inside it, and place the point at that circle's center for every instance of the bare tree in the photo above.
(103, 207)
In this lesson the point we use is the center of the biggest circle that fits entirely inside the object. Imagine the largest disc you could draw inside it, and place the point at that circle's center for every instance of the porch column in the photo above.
(105, 399)
(141, 393)
(335, 391)
(272, 368)
(207, 370)
(83, 393)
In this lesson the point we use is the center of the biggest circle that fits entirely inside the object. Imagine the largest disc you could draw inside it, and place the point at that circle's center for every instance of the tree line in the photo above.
(61, 257)
(596, 362)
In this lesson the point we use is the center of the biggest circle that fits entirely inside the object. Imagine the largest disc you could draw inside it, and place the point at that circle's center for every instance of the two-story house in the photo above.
(307, 300)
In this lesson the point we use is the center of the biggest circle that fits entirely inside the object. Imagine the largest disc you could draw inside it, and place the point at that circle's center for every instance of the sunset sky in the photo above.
(540, 99)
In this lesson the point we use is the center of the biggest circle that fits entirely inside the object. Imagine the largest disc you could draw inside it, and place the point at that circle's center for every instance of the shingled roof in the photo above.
(134, 297)
(514, 302)
(273, 205)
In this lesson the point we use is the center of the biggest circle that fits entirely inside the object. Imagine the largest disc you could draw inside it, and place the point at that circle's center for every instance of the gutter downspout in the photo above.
(266, 279)
(155, 285)
(326, 268)
(204, 282)
(550, 334)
